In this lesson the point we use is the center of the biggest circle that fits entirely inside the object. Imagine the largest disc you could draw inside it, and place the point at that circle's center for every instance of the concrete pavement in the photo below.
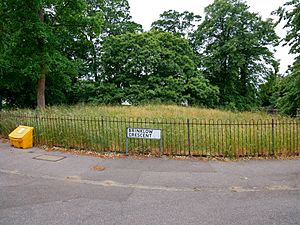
(151, 191)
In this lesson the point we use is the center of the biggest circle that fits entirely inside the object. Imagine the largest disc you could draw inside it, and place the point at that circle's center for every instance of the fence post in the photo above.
(102, 129)
(189, 136)
(127, 145)
(161, 145)
(36, 128)
(273, 150)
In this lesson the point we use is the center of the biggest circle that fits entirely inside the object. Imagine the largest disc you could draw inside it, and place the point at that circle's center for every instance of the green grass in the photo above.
(186, 130)
(151, 111)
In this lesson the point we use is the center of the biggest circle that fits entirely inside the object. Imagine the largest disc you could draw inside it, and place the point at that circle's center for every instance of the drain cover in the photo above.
(52, 158)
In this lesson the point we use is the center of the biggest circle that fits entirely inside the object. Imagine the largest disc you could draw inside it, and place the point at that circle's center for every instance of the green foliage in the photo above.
(92, 51)
(289, 88)
(39, 38)
(234, 46)
(175, 22)
(99, 93)
(290, 14)
(117, 18)
(268, 92)
(288, 100)
(83, 44)
(154, 65)
(201, 92)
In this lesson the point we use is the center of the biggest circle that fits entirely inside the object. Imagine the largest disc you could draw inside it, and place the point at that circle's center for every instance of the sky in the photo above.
(146, 11)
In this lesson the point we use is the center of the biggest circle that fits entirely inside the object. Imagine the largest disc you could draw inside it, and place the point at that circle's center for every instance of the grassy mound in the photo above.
(152, 111)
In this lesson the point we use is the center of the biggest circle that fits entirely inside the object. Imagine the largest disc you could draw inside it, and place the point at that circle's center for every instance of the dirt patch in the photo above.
(98, 168)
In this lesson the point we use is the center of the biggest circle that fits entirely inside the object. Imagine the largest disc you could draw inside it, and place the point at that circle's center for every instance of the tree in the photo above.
(154, 66)
(116, 21)
(235, 46)
(268, 91)
(175, 22)
(288, 92)
(117, 18)
(37, 36)
(289, 88)
(290, 14)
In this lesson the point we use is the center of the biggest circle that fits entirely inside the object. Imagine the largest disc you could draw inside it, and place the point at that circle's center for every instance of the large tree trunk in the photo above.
(41, 103)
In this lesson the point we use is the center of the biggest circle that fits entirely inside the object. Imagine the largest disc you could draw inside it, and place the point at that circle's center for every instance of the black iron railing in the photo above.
(193, 137)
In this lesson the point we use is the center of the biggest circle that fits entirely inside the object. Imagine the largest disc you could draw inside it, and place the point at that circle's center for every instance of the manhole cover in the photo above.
(52, 158)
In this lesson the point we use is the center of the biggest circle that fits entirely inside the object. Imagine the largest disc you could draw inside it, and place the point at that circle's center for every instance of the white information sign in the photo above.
(143, 133)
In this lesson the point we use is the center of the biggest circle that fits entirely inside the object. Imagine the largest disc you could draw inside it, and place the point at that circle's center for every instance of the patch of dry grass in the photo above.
(153, 111)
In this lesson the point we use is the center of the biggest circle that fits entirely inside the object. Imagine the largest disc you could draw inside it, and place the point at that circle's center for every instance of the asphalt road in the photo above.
(152, 191)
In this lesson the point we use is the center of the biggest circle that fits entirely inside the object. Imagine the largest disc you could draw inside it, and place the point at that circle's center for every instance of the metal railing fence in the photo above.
(194, 137)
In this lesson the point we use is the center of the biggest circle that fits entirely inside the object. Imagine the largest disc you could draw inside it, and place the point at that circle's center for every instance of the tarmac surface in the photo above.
(39, 187)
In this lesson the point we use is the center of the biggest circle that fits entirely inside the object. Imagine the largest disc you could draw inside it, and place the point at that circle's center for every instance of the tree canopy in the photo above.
(175, 22)
(61, 51)
(289, 87)
(117, 18)
(37, 37)
(235, 47)
(154, 66)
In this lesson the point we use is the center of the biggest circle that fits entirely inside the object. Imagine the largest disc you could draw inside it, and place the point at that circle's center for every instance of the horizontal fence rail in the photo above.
(185, 137)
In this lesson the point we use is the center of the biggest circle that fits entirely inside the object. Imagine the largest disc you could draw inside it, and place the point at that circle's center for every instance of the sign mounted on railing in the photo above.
(143, 133)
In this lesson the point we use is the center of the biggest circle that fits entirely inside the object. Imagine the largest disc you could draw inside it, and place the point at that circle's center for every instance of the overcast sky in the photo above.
(147, 11)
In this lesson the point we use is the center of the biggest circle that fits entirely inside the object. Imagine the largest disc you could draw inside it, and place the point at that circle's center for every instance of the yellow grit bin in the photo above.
(22, 137)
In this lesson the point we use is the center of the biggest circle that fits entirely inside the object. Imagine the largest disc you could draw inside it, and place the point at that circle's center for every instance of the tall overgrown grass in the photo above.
(186, 130)
(149, 111)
